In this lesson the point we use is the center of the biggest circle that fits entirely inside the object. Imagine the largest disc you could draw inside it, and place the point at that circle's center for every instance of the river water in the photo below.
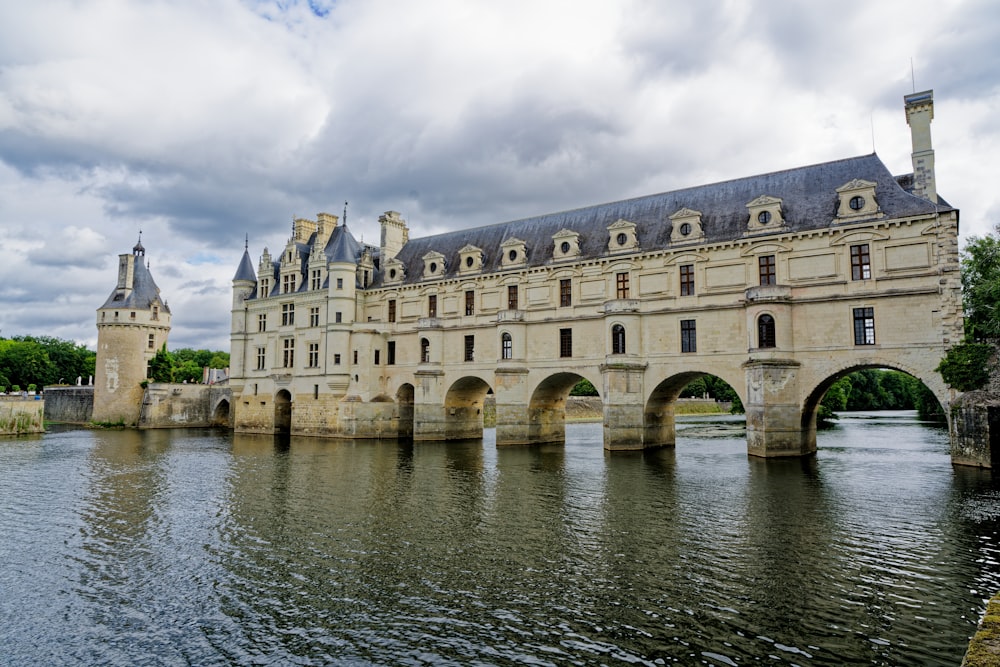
(204, 548)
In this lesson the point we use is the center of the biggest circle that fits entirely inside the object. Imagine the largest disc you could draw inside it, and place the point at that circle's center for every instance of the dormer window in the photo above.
(470, 259)
(765, 215)
(687, 227)
(395, 271)
(857, 199)
(434, 265)
(622, 236)
(565, 245)
(515, 253)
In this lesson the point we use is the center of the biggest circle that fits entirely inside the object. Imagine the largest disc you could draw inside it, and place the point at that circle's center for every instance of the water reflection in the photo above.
(177, 547)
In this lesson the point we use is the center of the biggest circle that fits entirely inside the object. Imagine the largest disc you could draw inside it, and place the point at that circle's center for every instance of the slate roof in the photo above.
(808, 194)
(342, 246)
(144, 291)
(245, 270)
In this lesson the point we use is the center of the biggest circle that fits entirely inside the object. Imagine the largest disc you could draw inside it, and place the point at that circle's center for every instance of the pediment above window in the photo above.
(622, 236)
(857, 199)
(514, 253)
(433, 265)
(395, 271)
(765, 214)
(566, 245)
(470, 258)
(686, 227)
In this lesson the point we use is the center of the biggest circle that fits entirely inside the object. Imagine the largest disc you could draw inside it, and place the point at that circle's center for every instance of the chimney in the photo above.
(919, 114)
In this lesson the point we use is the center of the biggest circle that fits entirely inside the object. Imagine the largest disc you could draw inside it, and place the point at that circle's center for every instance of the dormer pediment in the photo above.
(470, 259)
(857, 199)
(434, 265)
(514, 253)
(565, 245)
(765, 214)
(395, 271)
(687, 227)
(622, 236)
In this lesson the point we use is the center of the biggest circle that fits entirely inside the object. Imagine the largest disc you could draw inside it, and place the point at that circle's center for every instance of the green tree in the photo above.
(981, 287)
(967, 366)
(161, 366)
(582, 388)
(188, 371)
(834, 400)
(25, 362)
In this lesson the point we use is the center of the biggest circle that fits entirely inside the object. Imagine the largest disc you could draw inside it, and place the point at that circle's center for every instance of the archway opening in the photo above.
(547, 408)
(404, 401)
(220, 416)
(868, 388)
(283, 412)
(464, 407)
(688, 393)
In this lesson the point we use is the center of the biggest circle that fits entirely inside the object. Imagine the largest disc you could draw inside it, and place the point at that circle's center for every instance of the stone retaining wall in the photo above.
(185, 405)
(69, 405)
(19, 415)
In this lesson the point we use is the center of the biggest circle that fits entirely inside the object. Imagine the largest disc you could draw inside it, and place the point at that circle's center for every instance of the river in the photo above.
(188, 547)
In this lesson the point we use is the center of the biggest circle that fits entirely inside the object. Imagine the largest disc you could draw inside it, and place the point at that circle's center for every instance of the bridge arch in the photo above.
(547, 406)
(404, 405)
(658, 421)
(463, 407)
(810, 405)
(283, 412)
(220, 413)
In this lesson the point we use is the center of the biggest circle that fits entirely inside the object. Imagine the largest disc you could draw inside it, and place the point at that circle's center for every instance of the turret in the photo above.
(919, 114)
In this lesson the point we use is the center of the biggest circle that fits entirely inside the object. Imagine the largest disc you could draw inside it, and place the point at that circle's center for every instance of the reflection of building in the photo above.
(778, 283)
(131, 326)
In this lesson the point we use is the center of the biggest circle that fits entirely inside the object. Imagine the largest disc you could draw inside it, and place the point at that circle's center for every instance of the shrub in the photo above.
(967, 366)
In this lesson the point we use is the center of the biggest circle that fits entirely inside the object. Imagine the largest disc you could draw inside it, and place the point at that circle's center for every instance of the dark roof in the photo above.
(144, 291)
(342, 246)
(808, 194)
(245, 270)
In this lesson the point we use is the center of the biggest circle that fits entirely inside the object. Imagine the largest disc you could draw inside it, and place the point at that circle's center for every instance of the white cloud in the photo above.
(199, 123)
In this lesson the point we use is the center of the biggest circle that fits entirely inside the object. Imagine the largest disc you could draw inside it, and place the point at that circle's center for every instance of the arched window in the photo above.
(506, 346)
(618, 339)
(765, 331)
(425, 351)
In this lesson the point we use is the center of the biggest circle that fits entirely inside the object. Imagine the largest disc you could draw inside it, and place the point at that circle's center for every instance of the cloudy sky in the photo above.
(202, 122)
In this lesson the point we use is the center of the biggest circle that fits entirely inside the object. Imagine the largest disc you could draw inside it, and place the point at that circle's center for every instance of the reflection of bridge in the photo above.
(779, 284)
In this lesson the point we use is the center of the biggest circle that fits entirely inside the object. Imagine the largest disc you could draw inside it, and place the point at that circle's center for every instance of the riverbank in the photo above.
(984, 649)
(21, 415)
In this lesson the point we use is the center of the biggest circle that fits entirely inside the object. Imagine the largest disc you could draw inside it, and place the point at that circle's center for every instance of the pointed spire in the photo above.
(345, 213)
(245, 270)
(137, 249)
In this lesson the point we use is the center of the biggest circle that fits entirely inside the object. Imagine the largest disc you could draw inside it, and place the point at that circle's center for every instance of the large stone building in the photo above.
(778, 283)
(132, 325)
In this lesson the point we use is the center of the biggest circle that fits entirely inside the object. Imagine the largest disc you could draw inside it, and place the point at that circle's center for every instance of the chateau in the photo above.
(778, 283)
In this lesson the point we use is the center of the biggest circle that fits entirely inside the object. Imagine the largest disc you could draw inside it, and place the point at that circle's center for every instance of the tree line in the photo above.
(32, 362)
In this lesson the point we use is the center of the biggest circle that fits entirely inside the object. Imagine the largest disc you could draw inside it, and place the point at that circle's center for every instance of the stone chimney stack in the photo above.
(919, 114)
(395, 234)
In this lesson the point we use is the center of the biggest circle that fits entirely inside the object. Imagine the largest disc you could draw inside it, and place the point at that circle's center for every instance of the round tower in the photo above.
(131, 326)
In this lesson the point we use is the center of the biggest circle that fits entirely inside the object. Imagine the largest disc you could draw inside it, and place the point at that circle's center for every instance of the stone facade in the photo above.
(169, 405)
(131, 326)
(779, 284)
(69, 405)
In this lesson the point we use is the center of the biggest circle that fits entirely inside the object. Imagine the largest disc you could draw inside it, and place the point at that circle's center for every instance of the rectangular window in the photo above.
(861, 265)
(687, 279)
(864, 326)
(621, 285)
(390, 353)
(470, 302)
(262, 322)
(288, 283)
(156, 312)
(470, 348)
(689, 336)
(261, 358)
(432, 305)
(355, 356)
(338, 317)
(511, 297)
(340, 283)
(378, 354)
(132, 315)
(287, 314)
(265, 287)
(336, 360)
(506, 346)
(314, 317)
(313, 355)
(152, 341)
(315, 281)
(288, 353)
(565, 292)
(392, 310)
(768, 274)
(315, 391)
(565, 342)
